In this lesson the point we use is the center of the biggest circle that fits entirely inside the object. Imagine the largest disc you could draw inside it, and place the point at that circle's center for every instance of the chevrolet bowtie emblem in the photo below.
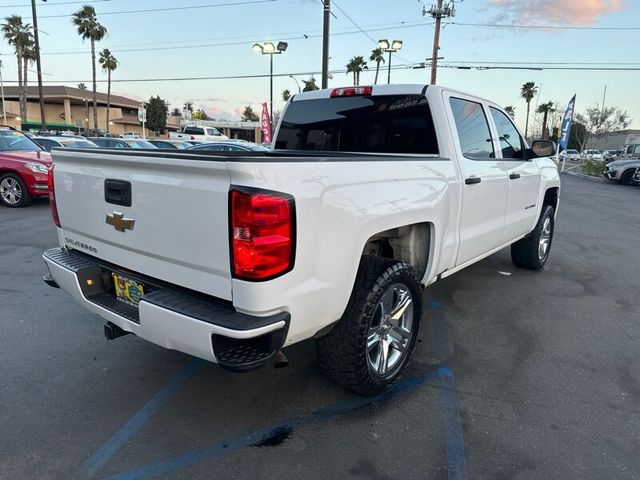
(119, 222)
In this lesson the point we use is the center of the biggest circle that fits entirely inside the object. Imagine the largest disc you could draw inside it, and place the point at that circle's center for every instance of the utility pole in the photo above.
(43, 123)
(325, 43)
(438, 12)
(4, 111)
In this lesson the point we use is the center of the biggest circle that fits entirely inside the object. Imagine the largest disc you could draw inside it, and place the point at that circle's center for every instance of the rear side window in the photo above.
(473, 129)
(194, 130)
(379, 124)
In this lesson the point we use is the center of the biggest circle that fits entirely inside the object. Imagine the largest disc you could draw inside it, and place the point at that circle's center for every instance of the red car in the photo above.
(24, 167)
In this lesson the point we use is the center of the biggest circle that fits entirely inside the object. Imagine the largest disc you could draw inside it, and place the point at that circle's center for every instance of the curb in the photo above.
(582, 175)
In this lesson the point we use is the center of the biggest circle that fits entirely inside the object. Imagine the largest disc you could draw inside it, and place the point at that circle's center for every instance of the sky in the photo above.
(213, 38)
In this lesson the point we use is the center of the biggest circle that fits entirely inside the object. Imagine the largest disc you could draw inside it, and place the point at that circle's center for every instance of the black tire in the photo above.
(627, 177)
(343, 354)
(526, 253)
(14, 179)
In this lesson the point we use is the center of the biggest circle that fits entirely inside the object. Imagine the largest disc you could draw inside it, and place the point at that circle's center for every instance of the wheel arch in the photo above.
(551, 197)
(411, 244)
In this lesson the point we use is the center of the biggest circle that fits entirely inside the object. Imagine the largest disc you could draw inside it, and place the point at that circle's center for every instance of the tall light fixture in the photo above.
(391, 48)
(43, 123)
(268, 48)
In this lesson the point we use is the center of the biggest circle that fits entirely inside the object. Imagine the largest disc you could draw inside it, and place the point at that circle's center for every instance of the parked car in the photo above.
(122, 143)
(624, 165)
(609, 155)
(129, 135)
(591, 154)
(229, 146)
(99, 132)
(198, 132)
(371, 193)
(24, 167)
(570, 155)
(64, 142)
(175, 144)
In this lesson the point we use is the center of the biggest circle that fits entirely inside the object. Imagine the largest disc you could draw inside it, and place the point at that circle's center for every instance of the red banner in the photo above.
(266, 124)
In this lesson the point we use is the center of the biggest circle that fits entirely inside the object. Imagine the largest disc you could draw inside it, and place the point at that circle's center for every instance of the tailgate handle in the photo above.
(117, 192)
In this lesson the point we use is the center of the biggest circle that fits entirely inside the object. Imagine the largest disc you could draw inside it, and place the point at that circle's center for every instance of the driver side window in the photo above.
(511, 143)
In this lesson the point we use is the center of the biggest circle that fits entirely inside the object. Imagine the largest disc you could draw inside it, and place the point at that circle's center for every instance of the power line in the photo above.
(315, 72)
(28, 5)
(225, 44)
(171, 9)
(541, 27)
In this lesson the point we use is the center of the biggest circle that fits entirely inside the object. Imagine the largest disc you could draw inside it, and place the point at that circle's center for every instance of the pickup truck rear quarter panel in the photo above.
(169, 197)
(340, 204)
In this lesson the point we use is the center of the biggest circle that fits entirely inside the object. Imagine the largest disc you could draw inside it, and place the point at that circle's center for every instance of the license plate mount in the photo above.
(127, 290)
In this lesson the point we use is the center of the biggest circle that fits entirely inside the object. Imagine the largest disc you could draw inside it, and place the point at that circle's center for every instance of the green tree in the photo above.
(86, 22)
(249, 115)
(18, 35)
(176, 112)
(356, 65)
(511, 110)
(545, 109)
(598, 121)
(528, 91)
(377, 55)
(286, 95)
(310, 85)
(109, 64)
(200, 114)
(82, 86)
(157, 111)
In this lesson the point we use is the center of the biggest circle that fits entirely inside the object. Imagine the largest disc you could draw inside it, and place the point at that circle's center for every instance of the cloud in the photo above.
(554, 12)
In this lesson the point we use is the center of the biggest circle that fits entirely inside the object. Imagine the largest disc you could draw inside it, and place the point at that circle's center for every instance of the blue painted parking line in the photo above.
(139, 420)
(218, 449)
(453, 438)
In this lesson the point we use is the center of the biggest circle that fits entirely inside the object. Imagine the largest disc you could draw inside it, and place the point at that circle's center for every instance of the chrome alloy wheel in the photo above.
(390, 331)
(545, 239)
(11, 191)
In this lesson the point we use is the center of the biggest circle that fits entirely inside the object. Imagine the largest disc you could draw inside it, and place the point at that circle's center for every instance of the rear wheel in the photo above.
(13, 191)
(532, 251)
(370, 346)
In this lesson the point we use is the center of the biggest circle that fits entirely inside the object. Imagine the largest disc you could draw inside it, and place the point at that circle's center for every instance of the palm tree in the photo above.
(286, 94)
(528, 91)
(511, 110)
(309, 85)
(545, 109)
(19, 35)
(355, 66)
(90, 29)
(109, 64)
(82, 86)
(377, 55)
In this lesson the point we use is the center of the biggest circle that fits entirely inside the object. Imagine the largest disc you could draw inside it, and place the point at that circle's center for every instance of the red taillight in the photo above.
(52, 197)
(262, 231)
(351, 91)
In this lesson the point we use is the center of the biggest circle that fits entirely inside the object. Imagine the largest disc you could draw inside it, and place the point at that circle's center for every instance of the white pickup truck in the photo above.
(198, 132)
(370, 194)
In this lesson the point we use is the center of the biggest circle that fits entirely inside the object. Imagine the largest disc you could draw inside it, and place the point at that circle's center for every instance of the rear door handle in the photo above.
(472, 180)
(514, 176)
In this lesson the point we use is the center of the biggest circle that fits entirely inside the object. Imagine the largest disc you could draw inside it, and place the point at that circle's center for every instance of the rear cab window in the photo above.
(399, 124)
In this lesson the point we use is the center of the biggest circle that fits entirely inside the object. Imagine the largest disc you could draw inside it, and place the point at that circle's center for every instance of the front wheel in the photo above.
(532, 251)
(13, 191)
(370, 346)
(627, 177)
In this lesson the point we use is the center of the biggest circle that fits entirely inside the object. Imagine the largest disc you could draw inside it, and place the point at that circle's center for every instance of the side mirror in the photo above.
(543, 148)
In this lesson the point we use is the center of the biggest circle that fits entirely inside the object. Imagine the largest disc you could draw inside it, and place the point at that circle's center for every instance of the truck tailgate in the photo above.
(178, 206)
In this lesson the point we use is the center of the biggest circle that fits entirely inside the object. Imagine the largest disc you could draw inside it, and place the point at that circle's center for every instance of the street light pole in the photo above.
(38, 64)
(297, 83)
(4, 110)
(390, 47)
(268, 48)
(271, 88)
(325, 43)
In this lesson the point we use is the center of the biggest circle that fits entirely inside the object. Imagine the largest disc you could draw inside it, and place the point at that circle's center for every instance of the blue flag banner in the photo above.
(566, 124)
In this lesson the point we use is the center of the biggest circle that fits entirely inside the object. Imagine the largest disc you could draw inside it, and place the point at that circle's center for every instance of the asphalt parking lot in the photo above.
(518, 375)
